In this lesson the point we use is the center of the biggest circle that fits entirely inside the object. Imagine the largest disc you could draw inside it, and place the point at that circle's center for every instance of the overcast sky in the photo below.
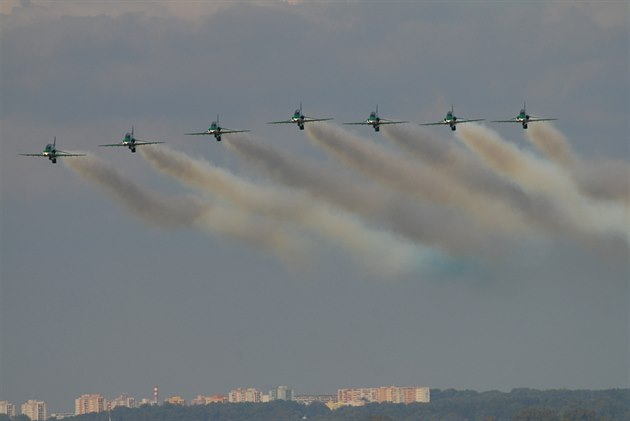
(376, 263)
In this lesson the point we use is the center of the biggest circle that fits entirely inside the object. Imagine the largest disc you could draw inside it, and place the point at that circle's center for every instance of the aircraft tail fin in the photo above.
(55, 142)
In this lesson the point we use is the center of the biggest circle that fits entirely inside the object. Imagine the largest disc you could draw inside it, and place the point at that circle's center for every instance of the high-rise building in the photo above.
(176, 400)
(281, 393)
(35, 410)
(415, 394)
(357, 395)
(123, 400)
(393, 394)
(89, 403)
(205, 400)
(7, 408)
(244, 395)
(309, 399)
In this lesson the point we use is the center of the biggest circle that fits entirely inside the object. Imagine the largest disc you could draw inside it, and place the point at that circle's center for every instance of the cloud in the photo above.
(607, 15)
(183, 9)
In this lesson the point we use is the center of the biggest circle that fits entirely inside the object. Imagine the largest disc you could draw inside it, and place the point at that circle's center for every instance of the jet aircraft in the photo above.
(524, 118)
(299, 119)
(375, 121)
(216, 130)
(451, 120)
(131, 142)
(52, 153)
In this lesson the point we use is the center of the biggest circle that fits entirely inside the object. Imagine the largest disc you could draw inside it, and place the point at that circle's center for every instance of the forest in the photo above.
(445, 405)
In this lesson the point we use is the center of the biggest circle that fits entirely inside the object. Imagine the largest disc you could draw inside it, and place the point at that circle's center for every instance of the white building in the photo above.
(86, 404)
(244, 395)
(281, 393)
(35, 410)
(7, 408)
(123, 400)
(393, 394)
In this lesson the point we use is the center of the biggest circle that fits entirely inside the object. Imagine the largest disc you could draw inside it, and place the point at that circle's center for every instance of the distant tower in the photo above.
(155, 394)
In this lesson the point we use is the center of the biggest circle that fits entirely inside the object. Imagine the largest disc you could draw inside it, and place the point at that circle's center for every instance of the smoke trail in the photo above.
(158, 210)
(375, 249)
(538, 176)
(456, 162)
(552, 143)
(445, 228)
(413, 177)
(179, 212)
(469, 170)
(604, 179)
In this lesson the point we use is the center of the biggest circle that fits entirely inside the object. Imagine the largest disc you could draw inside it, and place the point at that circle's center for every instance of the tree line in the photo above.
(445, 405)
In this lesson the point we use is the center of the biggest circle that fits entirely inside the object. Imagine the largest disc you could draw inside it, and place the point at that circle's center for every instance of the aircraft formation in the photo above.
(131, 142)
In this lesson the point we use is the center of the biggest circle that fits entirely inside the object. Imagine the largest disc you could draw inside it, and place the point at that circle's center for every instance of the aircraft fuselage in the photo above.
(451, 120)
(523, 118)
(298, 119)
(129, 141)
(50, 152)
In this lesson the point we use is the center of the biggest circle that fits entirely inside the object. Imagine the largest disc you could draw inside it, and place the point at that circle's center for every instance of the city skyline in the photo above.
(96, 402)
(319, 258)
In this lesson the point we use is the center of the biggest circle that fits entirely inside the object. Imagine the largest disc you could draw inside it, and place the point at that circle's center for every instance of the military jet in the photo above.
(52, 153)
(216, 130)
(375, 121)
(451, 120)
(299, 119)
(524, 118)
(131, 142)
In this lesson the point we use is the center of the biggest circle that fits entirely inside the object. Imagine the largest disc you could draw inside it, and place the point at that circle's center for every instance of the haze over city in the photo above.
(490, 257)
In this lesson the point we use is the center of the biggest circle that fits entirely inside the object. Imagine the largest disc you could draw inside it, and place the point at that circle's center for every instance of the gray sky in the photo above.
(99, 296)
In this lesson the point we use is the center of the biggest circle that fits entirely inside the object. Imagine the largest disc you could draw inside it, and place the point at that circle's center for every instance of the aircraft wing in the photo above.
(541, 119)
(439, 123)
(200, 134)
(62, 153)
(531, 119)
(281, 122)
(383, 121)
(311, 119)
(145, 142)
(228, 131)
(463, 120)
(58, 154)
(512, 120)
(114, 144)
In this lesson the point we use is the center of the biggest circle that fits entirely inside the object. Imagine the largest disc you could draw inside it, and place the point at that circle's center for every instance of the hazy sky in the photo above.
(488, 258)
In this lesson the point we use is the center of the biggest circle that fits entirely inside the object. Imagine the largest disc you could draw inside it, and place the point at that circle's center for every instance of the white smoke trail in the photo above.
(444, 228)
(456, 162)
(376, 250)
(468, 169)
(178, 212)
(422, 181)
(604, 179)
(538, 176)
